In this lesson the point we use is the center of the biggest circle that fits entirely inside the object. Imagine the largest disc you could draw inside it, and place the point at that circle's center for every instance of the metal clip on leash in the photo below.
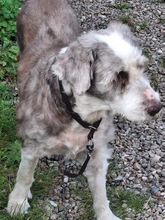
(89, 147)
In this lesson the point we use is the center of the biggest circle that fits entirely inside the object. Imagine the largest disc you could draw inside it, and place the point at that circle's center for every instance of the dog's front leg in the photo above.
(96, 175)
(18, 199)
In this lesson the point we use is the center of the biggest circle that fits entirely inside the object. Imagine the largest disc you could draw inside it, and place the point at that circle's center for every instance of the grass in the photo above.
(143, 26)
(154, 81)
(122, 6)
(162, 62)
(126, 19)
(8, 46)
(43, 186)
(117, 196)
(162, 21)
(147, 53)
(86, 203)
(121, 200)
(9, 144)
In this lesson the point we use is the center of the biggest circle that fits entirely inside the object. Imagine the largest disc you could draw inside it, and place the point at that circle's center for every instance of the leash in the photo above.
(93, 128)
(89, 147)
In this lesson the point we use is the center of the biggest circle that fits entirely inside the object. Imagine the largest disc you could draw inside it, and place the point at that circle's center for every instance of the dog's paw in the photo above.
(109, 216)
(16, 206)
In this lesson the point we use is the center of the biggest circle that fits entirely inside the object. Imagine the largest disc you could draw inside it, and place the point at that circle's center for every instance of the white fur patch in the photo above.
(57, 69)
(120, 46)
(63, 50)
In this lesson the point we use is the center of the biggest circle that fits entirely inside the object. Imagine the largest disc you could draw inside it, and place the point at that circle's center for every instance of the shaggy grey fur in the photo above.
(100, 77)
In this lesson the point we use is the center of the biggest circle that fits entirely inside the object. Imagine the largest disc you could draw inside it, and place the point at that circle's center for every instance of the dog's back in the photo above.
(43, 27)
(51, 23)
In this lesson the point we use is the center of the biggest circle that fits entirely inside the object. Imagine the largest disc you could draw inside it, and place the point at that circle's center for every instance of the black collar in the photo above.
(93, 127)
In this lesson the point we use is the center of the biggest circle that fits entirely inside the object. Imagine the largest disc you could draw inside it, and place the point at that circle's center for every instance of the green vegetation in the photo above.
(8, 52)
(8, 47)
(117, 196)
(122, 6)
(162, 21)
(154, 81)
(143, 26)
(126, 19)
(86, 203)
(43, 185)
(9, 144)
(162, 62)
(147, 53)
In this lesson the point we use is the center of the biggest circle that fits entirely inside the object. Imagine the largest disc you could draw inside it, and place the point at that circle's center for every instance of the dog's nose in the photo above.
(154, 109)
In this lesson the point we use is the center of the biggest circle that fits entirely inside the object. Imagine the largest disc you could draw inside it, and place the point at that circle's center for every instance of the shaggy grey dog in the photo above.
(101, 74)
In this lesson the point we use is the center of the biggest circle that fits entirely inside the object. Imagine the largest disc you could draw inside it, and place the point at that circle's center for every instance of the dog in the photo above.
(67, 84)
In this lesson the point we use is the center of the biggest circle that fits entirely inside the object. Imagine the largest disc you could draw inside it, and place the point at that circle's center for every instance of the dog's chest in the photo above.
(74, 139)
(69, 142)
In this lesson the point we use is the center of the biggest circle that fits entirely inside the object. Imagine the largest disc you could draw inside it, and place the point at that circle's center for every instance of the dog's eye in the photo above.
(123, 78)
(123, 75)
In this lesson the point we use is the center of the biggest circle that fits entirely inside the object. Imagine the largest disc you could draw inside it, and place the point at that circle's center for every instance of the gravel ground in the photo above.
(139, 149)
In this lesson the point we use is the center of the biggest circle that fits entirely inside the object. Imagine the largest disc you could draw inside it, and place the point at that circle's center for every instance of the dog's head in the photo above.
(109, 66)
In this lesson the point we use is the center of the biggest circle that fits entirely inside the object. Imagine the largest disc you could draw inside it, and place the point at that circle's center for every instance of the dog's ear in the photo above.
(75, 66)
